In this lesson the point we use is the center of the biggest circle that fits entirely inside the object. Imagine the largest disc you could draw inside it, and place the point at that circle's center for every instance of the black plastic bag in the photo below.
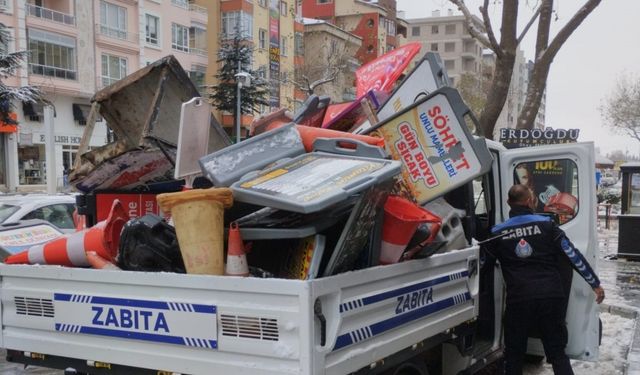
(149, 244)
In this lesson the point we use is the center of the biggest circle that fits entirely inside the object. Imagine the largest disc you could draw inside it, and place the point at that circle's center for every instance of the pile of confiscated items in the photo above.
(329, 189)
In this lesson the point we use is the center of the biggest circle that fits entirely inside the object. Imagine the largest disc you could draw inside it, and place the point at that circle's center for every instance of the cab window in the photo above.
(60, 215)
(554, 184)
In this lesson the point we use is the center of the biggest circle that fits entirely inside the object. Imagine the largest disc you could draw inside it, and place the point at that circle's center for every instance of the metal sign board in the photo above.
(193, 137)
(437, 150)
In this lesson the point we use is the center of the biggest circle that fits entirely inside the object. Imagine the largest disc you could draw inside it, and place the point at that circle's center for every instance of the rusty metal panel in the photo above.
(161, 88)
(143, 110)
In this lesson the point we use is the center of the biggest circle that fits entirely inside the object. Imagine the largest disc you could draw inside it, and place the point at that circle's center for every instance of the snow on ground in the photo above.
(616, 339)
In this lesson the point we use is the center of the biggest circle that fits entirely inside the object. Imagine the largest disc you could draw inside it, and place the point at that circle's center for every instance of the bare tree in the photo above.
(621, 109)
(546, 50)
(331, 64)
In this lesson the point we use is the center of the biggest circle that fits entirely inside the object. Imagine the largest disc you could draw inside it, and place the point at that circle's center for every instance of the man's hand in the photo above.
(599, 294)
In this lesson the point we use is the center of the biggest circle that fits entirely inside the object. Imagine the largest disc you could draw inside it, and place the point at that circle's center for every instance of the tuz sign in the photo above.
(515, 138)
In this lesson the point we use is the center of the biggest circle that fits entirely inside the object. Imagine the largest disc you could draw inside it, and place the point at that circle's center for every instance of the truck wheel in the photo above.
(411, 367)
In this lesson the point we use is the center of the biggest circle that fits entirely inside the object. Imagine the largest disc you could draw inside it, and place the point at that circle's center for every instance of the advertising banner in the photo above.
(274, 53)
(383, 72)
(437, 151)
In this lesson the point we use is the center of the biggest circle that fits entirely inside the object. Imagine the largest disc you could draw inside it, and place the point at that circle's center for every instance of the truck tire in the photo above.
(414, 366)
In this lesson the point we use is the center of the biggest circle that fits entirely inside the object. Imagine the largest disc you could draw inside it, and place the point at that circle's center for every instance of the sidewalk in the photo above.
(621, 279)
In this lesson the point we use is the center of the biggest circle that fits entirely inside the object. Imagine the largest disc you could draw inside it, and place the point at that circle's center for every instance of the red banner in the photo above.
(382, 73)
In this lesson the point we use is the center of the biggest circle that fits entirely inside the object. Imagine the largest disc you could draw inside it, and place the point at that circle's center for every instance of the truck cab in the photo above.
(561, 177)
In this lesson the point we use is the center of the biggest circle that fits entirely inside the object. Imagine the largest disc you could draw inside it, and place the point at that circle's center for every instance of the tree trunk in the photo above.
(497, 94)
(535, 92)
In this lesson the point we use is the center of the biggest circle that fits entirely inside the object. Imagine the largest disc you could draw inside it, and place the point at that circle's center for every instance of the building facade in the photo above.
(375, 22)
(274, 30)
(76, 48)
(333, 51)
(448, 36)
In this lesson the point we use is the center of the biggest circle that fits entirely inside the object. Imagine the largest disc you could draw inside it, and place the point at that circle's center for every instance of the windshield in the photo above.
(7, 210)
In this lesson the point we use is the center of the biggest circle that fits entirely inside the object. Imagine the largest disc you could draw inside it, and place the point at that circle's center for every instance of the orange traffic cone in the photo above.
(99, 262)
(70, 250)
(236, 257)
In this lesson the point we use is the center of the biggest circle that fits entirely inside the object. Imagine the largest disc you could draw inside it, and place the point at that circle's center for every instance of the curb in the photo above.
(632, 365)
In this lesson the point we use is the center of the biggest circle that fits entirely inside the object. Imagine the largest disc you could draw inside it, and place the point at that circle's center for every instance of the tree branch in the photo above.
(471, 27)
(549, 54)
(487, 25)
(528, 26)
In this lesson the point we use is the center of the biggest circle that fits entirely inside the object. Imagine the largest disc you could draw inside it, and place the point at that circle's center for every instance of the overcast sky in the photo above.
(606, 45)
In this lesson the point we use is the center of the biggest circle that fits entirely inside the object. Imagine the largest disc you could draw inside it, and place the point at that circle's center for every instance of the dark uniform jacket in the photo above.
(530, 250)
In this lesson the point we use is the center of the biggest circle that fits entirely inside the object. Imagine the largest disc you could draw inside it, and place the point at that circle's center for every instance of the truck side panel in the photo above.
(208, 324)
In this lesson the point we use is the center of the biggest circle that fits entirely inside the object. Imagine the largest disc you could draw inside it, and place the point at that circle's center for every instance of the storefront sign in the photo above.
(65, 139)
(274, 52)
(516, 138)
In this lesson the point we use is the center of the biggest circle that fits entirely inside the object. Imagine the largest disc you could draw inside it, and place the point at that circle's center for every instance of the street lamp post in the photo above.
(243, 79)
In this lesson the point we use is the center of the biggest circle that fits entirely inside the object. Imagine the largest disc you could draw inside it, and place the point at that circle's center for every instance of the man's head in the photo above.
(521, 195)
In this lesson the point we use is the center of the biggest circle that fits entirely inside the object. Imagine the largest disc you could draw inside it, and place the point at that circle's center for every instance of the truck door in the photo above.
(563, 180)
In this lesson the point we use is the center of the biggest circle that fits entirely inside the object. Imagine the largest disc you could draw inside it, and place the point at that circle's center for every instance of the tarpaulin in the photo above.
(382, 73)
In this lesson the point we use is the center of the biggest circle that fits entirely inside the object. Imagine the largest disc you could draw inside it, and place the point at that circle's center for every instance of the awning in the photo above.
(81, 113)
(32, 109)
(604, 162)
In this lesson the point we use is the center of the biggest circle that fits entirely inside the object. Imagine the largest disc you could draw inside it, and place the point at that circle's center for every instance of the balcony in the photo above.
(52, 71)
(49, 14)
(184, 4)
(114, 33)
(198, 9)
(120, 39)
(198, 52)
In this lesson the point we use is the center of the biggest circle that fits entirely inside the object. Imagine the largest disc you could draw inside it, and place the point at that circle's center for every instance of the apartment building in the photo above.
(448, 36)
(275, 31)
(78, 47)
(374, 21)
(462, 54)
(333, 51)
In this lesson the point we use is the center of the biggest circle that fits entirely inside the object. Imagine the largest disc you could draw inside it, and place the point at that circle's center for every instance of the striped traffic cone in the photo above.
(70, 250)
(236, 258)
(401, 219)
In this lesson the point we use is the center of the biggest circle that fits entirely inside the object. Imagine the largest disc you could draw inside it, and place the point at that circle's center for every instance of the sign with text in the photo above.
(437, 151)
(516, 138)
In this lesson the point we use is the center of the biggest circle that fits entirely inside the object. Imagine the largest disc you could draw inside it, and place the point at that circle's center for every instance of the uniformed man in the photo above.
(530, 249)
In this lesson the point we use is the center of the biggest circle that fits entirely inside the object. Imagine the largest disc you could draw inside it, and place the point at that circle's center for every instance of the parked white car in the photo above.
(56, 209)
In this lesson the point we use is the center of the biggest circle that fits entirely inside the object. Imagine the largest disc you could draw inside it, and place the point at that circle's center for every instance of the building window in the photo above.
(283, 46)
(152, 29)
(450, 47)
(283, 8)
(262, 72)
(113, 20)
(262, 39)
(114, 68)
(299, 44)
(262, 3)
(450, 29)
(370, 23)
(233, 22)
(449, 64)
(197, 75)
(324, 1)
(434, 47)
(198, 39)
(434, 29)
(52, 55)
(391, 27)
(179, 37)
(415, 31)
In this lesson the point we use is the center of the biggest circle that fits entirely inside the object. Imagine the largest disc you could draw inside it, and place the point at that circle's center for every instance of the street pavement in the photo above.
(620, 278)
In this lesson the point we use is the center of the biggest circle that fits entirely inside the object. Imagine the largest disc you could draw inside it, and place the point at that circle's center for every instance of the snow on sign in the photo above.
(437, 151)
(187, 324)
